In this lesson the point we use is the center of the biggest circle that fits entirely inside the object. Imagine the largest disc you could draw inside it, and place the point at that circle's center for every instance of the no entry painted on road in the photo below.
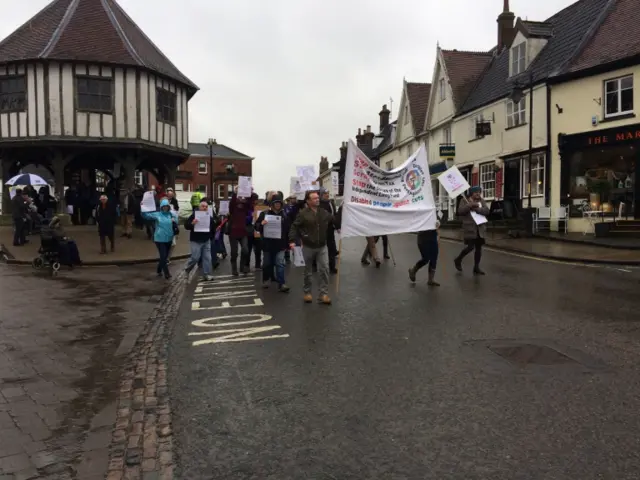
(225, 295)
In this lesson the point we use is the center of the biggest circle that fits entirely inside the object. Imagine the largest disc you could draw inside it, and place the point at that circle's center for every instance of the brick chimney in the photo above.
(359, 138)
(343, 152)
(384, 117)
(367, 138)
(324, 164)
(506, 29)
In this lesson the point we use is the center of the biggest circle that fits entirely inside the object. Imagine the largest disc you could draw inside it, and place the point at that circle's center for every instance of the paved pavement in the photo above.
(528, 373)
(63, 342)
(136, 250)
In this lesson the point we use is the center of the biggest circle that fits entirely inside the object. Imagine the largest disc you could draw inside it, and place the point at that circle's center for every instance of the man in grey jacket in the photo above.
(474, 228)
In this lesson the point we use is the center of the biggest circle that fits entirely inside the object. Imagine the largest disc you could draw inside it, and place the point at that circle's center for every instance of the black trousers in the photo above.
(472, 245)
(19, 231)
(254, 245)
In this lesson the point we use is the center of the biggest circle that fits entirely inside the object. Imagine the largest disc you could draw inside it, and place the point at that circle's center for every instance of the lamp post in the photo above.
(516, 97)
(210, 144)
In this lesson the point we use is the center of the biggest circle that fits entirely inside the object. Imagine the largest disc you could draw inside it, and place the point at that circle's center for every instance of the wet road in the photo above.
(528, 373)
(63, 341)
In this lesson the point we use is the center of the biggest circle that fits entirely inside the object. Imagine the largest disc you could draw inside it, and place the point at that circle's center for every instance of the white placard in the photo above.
(307, 173)
(224, 207)
(382, 202)
(298, 257)
(70, 209)
(479, 219)
(335, 184)
(203, 223)
(148, 203)
(453, 182)
(244, 187)
(273, 227)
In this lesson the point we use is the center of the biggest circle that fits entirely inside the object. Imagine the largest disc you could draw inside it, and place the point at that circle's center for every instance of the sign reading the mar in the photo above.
(381, 202)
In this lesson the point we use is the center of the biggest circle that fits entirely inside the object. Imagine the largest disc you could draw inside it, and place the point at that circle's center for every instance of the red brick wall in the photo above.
(242, 167)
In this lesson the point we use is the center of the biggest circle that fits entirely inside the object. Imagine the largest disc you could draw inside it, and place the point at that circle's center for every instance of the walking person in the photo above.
(273, 249)
(429, 250)
(329, 205)
(239, 211)
(370, 251)
(19, 209)
(200, 243)
(254, 242)
(474, 234)
(310, 229)
(175, 210)
(106, 217)
(164, 224)
(129, 209)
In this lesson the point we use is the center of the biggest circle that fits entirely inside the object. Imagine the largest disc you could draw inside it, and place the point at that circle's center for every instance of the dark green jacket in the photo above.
(311, 227)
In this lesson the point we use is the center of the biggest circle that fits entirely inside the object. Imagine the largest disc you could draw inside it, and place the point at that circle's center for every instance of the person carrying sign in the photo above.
(310, 228)
(473, 213)
(273, 227)
(428, 246)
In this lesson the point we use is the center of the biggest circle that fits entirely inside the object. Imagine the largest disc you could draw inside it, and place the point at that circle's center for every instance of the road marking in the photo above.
(217, 327)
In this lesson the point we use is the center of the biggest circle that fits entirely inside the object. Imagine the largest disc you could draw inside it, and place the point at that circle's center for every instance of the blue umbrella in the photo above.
(27, 179)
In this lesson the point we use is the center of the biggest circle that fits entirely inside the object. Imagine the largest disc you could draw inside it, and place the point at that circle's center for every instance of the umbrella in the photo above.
(27, 179)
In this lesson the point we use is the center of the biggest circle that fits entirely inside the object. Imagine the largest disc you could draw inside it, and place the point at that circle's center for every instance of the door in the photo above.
(636, 189)
(511, 184)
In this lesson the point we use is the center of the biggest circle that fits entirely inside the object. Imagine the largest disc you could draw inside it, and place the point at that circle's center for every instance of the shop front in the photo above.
(600, 174)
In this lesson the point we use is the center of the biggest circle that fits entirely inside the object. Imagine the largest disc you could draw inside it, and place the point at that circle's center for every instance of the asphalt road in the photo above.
(528, 373)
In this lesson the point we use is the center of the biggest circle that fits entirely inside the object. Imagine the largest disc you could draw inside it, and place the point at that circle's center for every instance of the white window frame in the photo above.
(518, 58)
(516, 113)
(138, 177)
(446, 136)
(221, 190)
(537, 175)
(474, 121)
(200, 163)
(179, 187)
(617, 82)
(487, 180)
(442, 88)
(406, 113)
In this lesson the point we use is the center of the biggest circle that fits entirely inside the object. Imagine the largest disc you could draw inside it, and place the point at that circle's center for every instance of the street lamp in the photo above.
(516, 96)
(210, 144)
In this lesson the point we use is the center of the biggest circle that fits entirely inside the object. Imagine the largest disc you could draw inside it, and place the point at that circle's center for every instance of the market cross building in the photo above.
(84, 92)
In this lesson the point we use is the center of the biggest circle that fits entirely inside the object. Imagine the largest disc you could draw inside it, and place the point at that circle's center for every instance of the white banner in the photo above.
(453, 182)
(335, 184)
(381, 202)
(307, 173)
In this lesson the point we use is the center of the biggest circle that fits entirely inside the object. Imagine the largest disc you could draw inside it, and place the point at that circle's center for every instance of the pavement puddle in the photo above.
(238, 312)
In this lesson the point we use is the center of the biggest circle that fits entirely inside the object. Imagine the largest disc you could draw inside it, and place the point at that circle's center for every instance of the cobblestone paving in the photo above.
(64, 343)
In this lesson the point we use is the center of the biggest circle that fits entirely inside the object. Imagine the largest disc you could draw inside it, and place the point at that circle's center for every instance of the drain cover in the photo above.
(530, 354)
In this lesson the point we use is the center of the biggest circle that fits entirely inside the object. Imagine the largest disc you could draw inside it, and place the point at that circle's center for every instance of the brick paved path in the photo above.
(63, 345)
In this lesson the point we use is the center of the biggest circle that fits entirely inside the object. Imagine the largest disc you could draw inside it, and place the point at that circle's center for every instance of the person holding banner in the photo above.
(428, 246)
(310, 229)
(473, 213)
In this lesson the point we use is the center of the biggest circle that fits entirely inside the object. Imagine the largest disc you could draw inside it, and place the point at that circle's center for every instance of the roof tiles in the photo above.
(464, 69)
(418, 97)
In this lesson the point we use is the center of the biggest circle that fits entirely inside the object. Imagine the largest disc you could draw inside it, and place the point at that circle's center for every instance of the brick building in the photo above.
(195, 172)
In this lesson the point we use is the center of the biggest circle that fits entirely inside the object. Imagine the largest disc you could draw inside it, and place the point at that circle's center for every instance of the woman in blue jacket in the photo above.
(163, 235)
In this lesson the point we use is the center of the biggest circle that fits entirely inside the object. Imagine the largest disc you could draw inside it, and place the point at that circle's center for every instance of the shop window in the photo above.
(95, 94)
(13, 94)
(516, 113)
(221, 191)
(488, 180)
(202, 168)
(203, 189)
(518, 55)
(537, 176)
(601, 179)
(442, 88)
(166, 102)
(618, 96)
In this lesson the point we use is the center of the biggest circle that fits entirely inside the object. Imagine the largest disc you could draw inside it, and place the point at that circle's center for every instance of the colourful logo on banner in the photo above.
(414, 180)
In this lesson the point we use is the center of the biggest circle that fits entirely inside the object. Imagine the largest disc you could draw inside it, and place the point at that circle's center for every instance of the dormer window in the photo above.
(518, 57)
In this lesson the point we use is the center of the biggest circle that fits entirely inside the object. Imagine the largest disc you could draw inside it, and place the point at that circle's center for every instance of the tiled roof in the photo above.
(570, 26)
(386, 142)
(464, 69)
(616, 38)
(537, 29)
(418, 97)
(87, 30)
(219, 150)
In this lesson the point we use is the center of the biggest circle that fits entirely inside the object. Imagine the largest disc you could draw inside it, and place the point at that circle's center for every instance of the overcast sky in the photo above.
(285, 81)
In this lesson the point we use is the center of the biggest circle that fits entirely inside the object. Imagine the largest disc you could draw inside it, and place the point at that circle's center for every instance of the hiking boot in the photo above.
(265, 284)
(284, 288)
(325, 300)
(307, 298)
(432, 276)
(412, 274)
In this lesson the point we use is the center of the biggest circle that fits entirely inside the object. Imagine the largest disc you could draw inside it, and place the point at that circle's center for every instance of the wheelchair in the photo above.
(48, 253)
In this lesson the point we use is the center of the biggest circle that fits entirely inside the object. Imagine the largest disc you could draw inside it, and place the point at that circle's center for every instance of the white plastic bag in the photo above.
(298, 257)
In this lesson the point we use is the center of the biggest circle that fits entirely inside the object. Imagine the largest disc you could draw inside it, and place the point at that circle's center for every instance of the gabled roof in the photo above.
(570, 26)
(97, 31)
(535, 29)
(219, 150)
(617, 37)
(464, 69)
(418, 98)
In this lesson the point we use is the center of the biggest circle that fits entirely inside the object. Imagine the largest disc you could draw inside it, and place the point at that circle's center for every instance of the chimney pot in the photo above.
(506, 30)
(368, 128)
(385, 113)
